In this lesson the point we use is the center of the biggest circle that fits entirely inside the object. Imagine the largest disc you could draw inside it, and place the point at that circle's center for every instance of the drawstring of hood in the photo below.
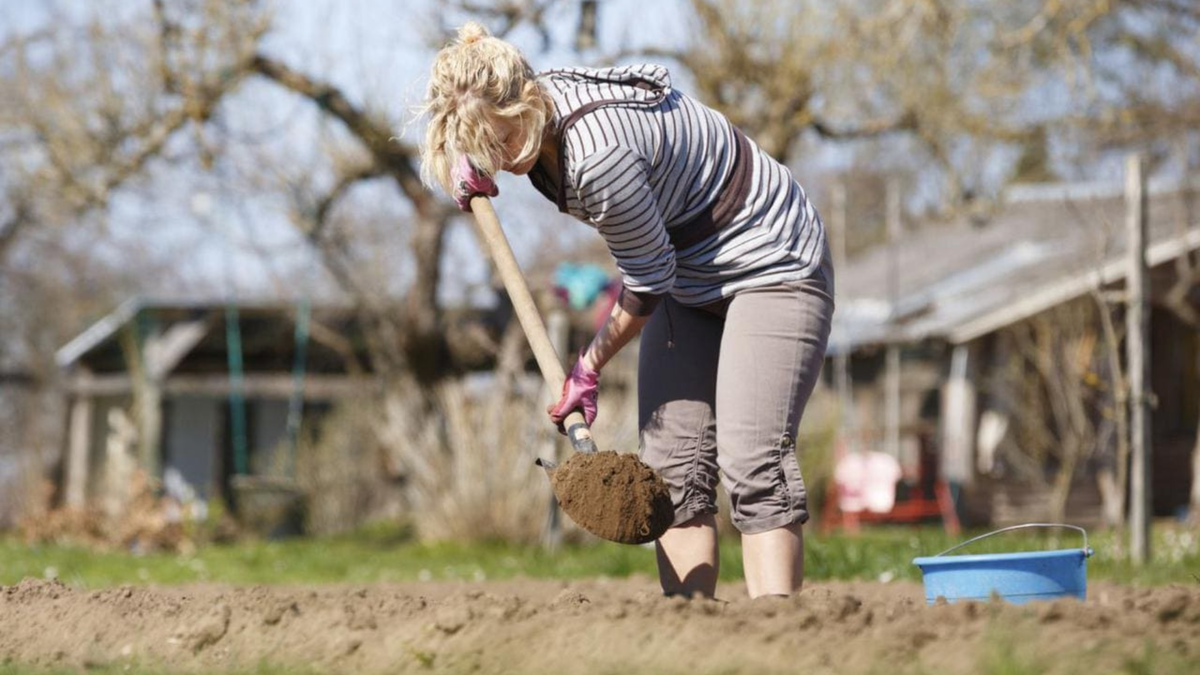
(645, 85)
(670, 326)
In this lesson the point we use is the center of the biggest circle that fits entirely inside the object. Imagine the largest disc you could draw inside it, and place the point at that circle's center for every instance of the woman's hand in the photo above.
(468, 182)
(579, 389)
(578, 392)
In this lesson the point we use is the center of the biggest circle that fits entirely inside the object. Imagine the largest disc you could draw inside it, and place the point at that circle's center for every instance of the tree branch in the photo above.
(320, 215)
(9, 228)
(396, 158)
(422, 338)
(906, 122)
(506, 15)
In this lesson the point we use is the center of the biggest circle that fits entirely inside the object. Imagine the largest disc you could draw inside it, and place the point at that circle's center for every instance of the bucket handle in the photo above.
(1087, 551)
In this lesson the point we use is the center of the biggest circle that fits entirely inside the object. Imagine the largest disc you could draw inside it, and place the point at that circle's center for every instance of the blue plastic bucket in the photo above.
(1015, 577)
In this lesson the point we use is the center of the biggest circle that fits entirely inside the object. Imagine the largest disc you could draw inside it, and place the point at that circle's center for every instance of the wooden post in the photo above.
(892, 402)
(841, 361)
(558, 327)
(119, 462)
(138, 339)
(959, 398)
(79, 447)
(1137, 333)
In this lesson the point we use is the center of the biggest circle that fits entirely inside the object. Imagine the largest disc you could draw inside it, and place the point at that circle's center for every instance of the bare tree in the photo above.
(92, 135)
(1055, 372)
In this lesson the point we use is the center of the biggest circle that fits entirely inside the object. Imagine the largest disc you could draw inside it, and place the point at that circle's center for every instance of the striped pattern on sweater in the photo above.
(643, 166)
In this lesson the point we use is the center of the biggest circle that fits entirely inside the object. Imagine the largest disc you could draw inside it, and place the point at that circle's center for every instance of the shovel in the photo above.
(613, 496)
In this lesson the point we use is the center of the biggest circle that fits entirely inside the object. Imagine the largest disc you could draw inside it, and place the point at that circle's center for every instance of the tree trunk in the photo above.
(13, 225)
(1062, 487)
(147, 402)
(425, 344)
(1111, 498)
(1112, 483)
(1194, 502)
(418, 332)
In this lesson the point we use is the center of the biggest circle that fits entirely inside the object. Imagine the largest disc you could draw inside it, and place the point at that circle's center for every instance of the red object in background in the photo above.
(927, 497)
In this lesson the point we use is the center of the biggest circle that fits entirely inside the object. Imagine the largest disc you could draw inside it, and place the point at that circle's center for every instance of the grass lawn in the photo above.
(386, 552)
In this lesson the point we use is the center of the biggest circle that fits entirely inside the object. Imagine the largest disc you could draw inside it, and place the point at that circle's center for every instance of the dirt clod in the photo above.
(360, 618)
(1174, 607)
(452, 619)
(848, 605)
(569, 598)
(614, 496)
(1050, 612)
(276, 611)
(211, 629)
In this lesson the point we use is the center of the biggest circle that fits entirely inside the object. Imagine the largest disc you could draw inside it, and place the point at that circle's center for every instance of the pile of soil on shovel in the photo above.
(614, 496)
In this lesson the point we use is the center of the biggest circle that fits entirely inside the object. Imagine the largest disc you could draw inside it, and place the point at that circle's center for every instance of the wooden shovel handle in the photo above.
(527, 314)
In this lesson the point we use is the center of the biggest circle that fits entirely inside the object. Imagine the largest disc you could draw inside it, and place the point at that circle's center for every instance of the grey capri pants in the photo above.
(729, 394)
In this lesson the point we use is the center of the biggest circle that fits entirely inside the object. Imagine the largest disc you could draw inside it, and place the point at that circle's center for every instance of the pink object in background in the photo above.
(866, 481)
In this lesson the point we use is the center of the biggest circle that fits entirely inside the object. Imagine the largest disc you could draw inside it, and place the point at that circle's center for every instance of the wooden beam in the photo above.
(164, 352)
(137, 338)
(316, 387)
(97, 333)
(892, 402)
(892, 394)
(19, 378)
(958, 413)
(99, 385)
(78, 449)
(841, 360)
(1137, 321)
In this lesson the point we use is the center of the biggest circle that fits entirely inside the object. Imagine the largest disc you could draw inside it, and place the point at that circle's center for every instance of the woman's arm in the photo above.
(619, 328)
(614, 189)
(579, 389)
(613, 185)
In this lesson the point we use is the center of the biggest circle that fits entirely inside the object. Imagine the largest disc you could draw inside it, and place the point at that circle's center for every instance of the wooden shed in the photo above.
(919, 336)
(196, 391)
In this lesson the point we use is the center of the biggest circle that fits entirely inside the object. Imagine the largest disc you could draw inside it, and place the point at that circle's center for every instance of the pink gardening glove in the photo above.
(468, 182)
(579, 391)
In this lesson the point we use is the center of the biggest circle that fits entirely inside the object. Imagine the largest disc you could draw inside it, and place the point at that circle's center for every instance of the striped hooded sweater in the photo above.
(642, 167)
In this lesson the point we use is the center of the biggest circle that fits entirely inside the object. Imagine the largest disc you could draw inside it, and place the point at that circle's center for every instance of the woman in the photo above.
(725, 269)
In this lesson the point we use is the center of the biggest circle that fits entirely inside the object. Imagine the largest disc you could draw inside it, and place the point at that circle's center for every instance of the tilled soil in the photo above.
(593, 626)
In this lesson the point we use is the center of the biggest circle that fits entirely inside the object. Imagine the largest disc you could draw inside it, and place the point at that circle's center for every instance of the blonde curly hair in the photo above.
(477, 82)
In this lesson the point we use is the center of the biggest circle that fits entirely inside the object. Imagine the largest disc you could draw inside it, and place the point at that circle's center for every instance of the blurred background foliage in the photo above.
(243, 148)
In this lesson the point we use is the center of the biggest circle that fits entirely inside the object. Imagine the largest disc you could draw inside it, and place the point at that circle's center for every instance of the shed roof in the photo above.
(1044, 245)
(267, 329)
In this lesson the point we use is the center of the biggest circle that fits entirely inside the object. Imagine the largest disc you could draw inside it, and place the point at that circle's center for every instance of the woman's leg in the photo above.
(771, 355)
(676, 391)
(774, 560)
(687, 557)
